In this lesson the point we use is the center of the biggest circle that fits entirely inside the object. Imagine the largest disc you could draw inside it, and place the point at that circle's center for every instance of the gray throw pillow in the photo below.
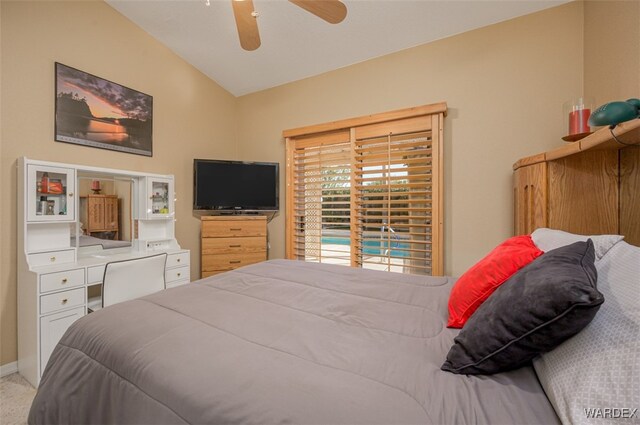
(544, 303)
(548, 239)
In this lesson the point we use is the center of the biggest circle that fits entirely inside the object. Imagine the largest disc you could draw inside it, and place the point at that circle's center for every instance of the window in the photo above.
(367, 193)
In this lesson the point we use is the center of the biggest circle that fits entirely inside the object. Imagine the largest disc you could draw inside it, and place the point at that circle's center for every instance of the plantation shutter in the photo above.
(321, 199)
(367, 192)
(393, 202)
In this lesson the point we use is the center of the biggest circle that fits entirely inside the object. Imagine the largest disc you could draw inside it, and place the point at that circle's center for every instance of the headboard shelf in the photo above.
(587, 187)
(627, 132)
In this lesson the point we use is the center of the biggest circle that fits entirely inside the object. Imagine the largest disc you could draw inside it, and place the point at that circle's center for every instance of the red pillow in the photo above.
(479, 282)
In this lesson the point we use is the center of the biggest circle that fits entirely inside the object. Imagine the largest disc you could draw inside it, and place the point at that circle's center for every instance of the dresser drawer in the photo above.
(175, 274)
(61, 280)
(50, 257)
(177, 283)
(61, 300)
(213, 262)
(176, 260)
(234, 245)
(211, 273)
(221, 229)
(95, 274)
(52, 328)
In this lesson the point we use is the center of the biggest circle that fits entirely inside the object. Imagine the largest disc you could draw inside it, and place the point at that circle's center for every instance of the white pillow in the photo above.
(548, 239)
(599, 368)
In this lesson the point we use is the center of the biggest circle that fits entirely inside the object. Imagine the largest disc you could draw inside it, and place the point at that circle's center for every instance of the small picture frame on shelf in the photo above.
(51, 207)
(55, 187)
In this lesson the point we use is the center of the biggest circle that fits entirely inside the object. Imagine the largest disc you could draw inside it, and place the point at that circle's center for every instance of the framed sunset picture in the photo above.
(95, 112)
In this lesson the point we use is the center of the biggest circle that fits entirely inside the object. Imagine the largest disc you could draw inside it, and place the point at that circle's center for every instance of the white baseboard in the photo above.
(8, 369)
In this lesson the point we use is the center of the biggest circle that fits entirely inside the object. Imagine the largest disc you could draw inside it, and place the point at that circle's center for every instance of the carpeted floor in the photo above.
(16, 396)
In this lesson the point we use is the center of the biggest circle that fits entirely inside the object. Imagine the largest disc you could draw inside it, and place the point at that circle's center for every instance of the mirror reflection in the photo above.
(105, 213)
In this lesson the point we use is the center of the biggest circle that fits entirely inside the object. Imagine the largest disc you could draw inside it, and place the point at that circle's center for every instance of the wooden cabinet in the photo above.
(589, 187)
(229, 242)
(630, 195)
(99, 213)
(530, 195)
(51, 330)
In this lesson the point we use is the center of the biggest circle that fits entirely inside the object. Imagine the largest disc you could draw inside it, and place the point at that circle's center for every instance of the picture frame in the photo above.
(95, 112)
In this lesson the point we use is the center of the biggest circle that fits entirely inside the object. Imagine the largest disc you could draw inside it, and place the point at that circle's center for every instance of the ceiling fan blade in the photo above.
(332, 11)
(246, 23)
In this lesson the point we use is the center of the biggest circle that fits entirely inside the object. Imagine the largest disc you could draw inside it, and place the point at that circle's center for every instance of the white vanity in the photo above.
(61, 265)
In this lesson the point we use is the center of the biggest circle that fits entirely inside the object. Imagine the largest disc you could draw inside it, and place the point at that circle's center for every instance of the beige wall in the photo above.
(193, 116)
(612, 50)
(504, 84)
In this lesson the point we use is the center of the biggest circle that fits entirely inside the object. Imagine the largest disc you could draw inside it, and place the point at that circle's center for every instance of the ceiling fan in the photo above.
(332, 11)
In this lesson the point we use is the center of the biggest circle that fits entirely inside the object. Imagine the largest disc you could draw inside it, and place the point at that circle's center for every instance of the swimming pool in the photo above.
(372, 247)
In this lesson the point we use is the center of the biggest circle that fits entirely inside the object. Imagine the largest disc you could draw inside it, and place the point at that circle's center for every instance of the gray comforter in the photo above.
(278, 342)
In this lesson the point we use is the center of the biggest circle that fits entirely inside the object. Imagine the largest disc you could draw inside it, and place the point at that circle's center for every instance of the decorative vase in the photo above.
(577, 112)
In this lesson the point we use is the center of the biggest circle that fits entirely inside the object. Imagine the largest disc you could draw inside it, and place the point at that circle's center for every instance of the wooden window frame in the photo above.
(402, 121)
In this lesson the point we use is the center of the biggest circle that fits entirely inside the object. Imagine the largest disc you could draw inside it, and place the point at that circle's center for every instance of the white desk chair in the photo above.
(129, 279)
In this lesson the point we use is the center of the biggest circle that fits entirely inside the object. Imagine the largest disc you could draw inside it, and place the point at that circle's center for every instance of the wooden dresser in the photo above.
(99, 213)
(229, 242)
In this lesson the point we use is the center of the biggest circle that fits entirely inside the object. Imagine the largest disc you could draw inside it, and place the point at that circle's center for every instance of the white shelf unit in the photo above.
(53, 275)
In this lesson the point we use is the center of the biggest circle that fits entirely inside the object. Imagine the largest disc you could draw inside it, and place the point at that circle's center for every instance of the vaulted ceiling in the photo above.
(297, 44)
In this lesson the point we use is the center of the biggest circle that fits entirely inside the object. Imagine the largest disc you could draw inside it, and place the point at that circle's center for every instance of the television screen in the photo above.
(235, 185)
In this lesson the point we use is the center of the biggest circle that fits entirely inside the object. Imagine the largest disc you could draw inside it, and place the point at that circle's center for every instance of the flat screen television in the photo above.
(235, 185)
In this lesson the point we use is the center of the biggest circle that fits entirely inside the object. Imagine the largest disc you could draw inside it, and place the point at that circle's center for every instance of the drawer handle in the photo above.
(237, 228)
(71, 195)
(179, 274)
(235, 246)
(52, 259)
(64, 280)
(66, 300)
(235, 262)
(178, 260)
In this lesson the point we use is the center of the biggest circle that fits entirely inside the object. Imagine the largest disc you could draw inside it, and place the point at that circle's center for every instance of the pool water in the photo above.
(372, 247)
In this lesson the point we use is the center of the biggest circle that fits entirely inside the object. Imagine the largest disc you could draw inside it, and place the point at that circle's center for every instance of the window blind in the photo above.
(393, 202)
(322, 197)
(367, 195)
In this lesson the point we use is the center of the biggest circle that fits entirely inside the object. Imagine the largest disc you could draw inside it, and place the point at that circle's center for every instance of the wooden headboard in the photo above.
(587, 187)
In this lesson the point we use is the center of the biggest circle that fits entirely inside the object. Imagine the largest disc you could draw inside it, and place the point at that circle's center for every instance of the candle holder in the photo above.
(95, 187)
(577, 112)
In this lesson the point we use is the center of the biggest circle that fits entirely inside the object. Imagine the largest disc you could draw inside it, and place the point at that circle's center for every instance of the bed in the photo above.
(279, 342)
(294, 342)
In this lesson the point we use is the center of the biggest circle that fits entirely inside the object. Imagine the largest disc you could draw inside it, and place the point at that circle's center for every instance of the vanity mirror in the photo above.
(105, 212)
